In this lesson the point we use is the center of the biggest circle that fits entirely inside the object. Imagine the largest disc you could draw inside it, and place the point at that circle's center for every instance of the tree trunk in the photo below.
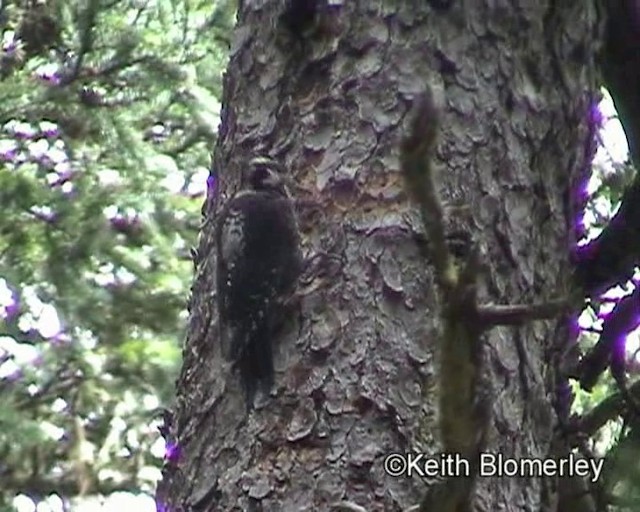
(328, 94)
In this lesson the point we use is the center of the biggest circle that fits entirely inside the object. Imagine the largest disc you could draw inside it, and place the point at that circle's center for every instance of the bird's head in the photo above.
(268, 175)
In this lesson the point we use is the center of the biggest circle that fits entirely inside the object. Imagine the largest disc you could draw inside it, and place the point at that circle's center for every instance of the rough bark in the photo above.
(355, 375)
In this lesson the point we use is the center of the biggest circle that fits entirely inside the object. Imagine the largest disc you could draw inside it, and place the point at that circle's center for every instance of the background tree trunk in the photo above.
(355, 376)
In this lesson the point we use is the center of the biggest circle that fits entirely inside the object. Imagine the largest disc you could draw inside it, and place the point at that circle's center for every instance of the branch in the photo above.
(610, 258)
(610, 348)
(416, 160)
(464, 415)
(621, 68)
(90, 15)
(517, 314)
(464, 404)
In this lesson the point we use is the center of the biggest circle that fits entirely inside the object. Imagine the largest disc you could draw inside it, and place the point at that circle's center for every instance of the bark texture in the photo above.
(355, 372)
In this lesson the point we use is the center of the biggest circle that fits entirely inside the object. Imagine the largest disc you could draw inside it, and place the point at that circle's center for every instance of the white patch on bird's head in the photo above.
(267, 163)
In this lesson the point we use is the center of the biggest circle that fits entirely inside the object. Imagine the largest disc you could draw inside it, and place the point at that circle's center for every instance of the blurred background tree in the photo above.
(109, 108)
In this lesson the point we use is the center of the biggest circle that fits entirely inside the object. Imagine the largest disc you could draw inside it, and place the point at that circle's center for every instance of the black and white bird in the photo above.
(258, 263)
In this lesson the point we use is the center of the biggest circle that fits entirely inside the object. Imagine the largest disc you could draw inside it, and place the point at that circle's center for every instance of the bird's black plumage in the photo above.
(258, 263)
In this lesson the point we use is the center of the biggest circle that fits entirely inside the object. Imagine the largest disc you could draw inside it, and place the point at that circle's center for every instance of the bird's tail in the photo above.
(255, 365)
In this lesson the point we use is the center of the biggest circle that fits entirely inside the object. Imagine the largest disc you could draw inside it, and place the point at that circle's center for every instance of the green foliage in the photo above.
(108, 112)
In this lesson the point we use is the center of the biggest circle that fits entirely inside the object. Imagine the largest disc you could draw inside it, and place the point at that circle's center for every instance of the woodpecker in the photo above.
(258, 263)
